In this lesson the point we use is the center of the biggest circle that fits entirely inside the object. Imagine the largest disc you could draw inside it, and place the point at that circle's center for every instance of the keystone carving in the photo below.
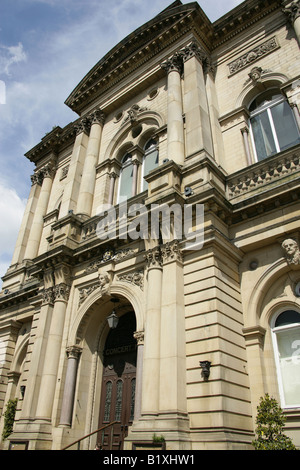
(291, 250)
(293, 10)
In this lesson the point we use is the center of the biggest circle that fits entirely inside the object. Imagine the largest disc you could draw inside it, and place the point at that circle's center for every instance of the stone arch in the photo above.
(266, 81)
(126, 290)
(259, 314)
(123, 139)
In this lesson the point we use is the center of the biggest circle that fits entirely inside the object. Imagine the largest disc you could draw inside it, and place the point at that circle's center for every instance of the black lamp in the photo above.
(113, 318)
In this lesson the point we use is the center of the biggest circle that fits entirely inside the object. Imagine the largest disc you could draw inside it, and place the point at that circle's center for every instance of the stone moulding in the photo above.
(253, 55)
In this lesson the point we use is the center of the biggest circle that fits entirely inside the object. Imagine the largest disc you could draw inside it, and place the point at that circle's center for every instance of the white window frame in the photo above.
(268, 108)
(274, 331)
(146, 152)
(124, 165)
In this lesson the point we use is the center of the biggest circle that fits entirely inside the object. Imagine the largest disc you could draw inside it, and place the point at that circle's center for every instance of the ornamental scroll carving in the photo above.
(253, 55)
(109, 255)
(291, 250)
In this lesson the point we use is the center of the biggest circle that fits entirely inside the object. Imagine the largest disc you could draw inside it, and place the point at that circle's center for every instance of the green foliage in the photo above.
(9, 417)
(270, 422)
(156, 438)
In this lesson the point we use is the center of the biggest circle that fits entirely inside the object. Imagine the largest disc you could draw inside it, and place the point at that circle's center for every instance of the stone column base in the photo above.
(37, 434)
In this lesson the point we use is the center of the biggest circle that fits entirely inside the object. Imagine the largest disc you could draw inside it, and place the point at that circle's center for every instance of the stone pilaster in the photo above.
(73, 180)
(139, 336)
(197, 119)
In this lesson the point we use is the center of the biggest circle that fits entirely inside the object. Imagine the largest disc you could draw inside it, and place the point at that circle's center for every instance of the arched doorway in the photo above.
(118, 383)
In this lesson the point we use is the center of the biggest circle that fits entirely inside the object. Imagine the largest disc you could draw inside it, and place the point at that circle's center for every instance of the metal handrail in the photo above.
(90, 434)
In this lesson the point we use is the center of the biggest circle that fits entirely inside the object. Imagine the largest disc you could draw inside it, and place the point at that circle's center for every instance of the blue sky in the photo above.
(46, 48)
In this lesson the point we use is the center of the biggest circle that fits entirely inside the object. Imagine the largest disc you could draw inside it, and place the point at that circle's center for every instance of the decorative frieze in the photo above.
(110, 255)
(136, 278)
(255, 54)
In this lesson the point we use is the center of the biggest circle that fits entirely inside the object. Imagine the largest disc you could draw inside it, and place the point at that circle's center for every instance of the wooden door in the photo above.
(118, 384)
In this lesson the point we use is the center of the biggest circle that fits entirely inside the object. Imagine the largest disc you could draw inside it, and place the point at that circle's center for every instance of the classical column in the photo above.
(150, 398)
(34, 239)
(87, 185)
(293, 11)
(53, 351)
(73, 354)
(39, 347)
(72, 185)
(197, 119)
(21, 243)
(172, 399)
(112, 183)
(175, 141)
(139, 336)
(245, 134)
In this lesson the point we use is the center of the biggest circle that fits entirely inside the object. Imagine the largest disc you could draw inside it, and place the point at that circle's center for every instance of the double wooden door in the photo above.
(118, 385)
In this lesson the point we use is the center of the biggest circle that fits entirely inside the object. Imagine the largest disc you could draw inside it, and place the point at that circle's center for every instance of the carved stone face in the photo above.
(103, 279)
(290, 246)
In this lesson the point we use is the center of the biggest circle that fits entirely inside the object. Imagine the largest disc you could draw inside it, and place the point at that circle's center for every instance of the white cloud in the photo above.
(11, 213)
(10, 55)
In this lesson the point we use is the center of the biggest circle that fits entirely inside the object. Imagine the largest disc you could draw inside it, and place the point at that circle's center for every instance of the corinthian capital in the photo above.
(61, 291)
(293, 10)
(97, 117)
(154, 258)
(171, 251)
(193, 50)
(174, 63)
(82, 126)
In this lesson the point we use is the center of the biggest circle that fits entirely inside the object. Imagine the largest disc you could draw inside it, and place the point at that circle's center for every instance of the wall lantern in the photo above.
(113, 319)
(205, 366)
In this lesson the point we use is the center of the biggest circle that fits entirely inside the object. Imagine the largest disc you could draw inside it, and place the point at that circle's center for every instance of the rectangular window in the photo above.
(285, 125)
(288, 345)
(263, 136)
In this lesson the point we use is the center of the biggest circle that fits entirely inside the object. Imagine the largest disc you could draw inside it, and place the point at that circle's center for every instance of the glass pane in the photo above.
(132, 400)
(289, 360)
(150, 162)
(126, 183)
(119, 400)
(107, 401)
(287, 317)
(263, 136)
(285, 125)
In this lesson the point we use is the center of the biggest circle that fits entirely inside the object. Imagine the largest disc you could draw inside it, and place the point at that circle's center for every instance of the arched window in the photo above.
(126, 178)
(273, 125)
(150, 160)
(286, 340)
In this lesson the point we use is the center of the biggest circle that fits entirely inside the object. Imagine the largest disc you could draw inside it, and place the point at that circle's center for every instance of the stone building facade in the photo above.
(182, 114)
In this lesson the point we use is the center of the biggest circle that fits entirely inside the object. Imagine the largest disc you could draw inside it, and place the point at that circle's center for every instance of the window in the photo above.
(272, 124)
(150, 160)
(126, 178)
(286, 340)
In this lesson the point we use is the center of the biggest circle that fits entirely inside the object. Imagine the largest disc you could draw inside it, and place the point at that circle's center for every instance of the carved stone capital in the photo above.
(61, 292)
(154, 258)
(97, 117)
(171, 251)
(82, 126)
(139, 336)
(73, 352)
(174, 63)
(293, 10)
(48, 296)
(37, 178)
(193, 50)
